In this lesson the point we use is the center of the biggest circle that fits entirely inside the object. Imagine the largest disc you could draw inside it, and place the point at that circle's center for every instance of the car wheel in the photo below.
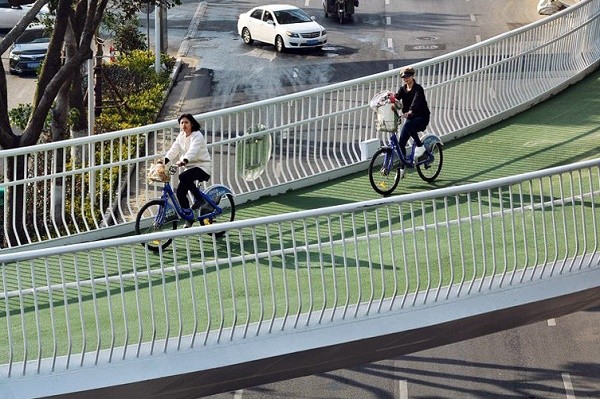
(279, 44)
(246, 36)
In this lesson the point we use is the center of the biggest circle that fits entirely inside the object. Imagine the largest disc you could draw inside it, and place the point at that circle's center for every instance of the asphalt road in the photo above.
(556, 359)
(221, 71)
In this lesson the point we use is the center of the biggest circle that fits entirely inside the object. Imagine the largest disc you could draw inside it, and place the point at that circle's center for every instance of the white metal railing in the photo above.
(97, 303)
(90, 184)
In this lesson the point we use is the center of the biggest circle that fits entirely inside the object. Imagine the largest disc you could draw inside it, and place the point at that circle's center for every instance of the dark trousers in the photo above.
(187, 183)
(411, 128)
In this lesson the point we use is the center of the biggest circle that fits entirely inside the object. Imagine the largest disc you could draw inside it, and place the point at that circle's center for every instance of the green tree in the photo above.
(59, 86)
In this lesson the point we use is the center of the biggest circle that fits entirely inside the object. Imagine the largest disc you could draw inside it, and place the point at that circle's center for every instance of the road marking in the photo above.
(387, 2)
(306, 3)
(388, 20)
(473, 18)
(477, 38)
(238, 394)
(403, 389)
(390, 66)
(390, 43)
(551, 322)
(566, 377)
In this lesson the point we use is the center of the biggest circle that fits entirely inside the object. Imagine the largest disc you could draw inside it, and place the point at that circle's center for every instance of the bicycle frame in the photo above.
(395, 146)
(171, 202)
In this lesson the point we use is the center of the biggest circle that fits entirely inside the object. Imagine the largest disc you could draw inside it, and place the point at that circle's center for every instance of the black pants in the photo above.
(411, 128)
(187, 183)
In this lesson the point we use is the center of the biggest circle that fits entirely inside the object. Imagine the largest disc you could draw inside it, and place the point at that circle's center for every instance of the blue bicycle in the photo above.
(166, 213)
(388, 165)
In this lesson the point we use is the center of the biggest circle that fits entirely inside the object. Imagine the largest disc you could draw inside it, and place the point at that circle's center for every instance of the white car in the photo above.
(282, 25)
(12, 15)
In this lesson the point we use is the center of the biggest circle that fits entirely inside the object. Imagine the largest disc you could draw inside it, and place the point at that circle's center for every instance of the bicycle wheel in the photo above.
(429, 171)
(151, 218)
(384, 173)
(227, 204)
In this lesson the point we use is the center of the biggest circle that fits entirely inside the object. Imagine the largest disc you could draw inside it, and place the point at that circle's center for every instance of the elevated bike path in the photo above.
(560, 131)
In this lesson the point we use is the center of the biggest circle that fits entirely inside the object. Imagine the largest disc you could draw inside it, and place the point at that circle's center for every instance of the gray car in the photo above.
(29, 50)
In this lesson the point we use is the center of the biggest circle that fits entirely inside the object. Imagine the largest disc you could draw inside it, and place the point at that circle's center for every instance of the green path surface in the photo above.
(558, 131)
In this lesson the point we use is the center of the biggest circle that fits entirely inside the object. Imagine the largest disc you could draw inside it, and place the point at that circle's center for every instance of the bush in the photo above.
(140, 91)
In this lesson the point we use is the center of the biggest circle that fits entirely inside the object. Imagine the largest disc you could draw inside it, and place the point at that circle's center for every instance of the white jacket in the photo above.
(192, 148)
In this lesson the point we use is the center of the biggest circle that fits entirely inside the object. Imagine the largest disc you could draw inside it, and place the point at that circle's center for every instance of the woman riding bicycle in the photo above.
(415, 111)
(190, 152)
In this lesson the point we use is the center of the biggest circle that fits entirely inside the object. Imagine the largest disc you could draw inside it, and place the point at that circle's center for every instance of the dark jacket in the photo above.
(413, 100)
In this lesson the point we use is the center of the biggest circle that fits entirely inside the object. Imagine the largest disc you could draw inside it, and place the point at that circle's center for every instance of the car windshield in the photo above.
(33, 36)
(293, 16)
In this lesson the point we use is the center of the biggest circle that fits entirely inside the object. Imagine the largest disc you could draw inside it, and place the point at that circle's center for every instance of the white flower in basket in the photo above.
(158, 173)
(387, 117)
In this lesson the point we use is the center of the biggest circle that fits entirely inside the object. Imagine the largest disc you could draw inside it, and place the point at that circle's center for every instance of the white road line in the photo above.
(473, 18)
(566, 377)
(238, 394)
(551, 322)
(390, 43)
(387, 2)
(306, 2)
(388, 20)
(403, 389)
(390, 67)
(477, 38)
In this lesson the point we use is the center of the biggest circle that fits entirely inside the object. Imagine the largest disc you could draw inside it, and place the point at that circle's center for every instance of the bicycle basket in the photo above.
(387, 118)
(157, 173)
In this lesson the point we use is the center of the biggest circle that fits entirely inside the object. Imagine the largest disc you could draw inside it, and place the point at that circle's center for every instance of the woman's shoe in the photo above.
(419, 151)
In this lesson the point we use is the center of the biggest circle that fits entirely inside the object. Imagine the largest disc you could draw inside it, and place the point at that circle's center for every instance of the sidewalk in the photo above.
(184, 71)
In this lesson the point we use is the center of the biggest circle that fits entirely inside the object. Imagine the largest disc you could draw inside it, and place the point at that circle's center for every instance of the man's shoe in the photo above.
(402, 172)
(419, 151)
(188, 223)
